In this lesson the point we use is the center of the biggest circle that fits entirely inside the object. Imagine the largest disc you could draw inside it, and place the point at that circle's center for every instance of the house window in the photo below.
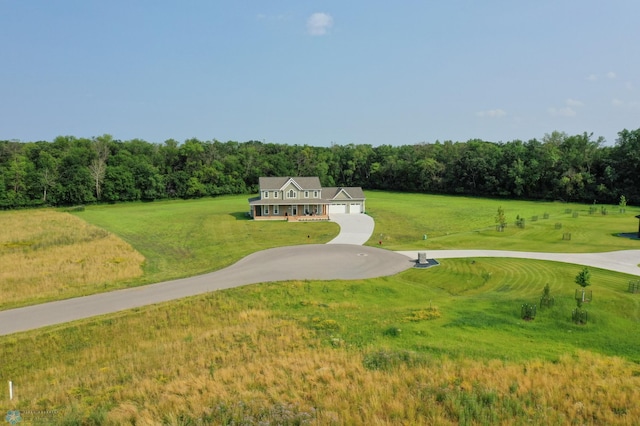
(265, 194)
(275, 194)
(306, 194)
(266, 210)
(276, 210)
(315, 194)
(291, 194)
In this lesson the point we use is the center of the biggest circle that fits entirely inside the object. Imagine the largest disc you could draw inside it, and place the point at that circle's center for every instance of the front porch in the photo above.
(291, 213)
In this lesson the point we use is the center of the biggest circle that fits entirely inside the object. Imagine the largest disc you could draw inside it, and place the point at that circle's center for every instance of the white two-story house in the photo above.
(303, 198)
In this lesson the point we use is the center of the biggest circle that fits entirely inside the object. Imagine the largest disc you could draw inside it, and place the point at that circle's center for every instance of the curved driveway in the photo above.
(354, 228)
(345, 258)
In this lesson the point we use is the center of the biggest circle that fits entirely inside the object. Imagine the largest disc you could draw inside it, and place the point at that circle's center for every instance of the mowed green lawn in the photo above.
(479, 302)
(189, 237)
(479, 299)
(182, 238)
(402, 221)
(185, 238)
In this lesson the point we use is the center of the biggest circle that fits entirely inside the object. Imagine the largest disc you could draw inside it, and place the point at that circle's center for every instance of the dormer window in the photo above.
(306, 194)
(291, 194)
(275, 194)
(315, 194)
(265, 194)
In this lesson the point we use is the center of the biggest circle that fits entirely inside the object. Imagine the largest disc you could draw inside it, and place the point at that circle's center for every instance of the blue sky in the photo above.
(318, 72)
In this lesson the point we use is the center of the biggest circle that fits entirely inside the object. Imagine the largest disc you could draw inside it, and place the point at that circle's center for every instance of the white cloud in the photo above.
(562, 112)
(592, 77)
(574, 103)
(319, 23)
(611, 75)
(493, 113)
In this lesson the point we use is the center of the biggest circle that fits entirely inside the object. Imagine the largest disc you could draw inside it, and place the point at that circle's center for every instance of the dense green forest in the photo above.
(75, 171)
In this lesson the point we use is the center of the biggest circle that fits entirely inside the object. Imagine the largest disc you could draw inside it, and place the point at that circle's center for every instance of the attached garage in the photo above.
(355, 208)
(337, 208)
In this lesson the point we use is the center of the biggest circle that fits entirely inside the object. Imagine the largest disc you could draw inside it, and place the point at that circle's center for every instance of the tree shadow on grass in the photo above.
(240, 215)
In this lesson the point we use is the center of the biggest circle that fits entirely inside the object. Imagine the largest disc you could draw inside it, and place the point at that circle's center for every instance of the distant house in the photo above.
(303, 198)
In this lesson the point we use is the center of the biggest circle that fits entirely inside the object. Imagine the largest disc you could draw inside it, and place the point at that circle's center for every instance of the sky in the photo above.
(319, 72)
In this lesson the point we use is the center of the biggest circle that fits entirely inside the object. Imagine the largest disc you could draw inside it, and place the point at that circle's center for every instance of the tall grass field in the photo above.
(439, 346)
(46, 255)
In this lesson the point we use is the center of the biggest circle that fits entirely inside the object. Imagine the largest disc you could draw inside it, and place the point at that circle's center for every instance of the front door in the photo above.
(294, 211)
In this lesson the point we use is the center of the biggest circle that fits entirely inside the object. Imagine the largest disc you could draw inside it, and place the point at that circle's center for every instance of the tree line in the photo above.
(76, 171)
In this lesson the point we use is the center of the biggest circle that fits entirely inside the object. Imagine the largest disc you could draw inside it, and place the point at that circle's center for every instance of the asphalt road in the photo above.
(313, 262)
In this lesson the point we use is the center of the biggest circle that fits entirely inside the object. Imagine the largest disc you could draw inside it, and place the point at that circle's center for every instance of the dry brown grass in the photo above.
(45, 254)
(213, 359)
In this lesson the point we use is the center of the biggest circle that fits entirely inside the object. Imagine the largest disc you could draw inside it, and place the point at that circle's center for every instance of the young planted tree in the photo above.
(500, 219)
(622, 203)
(546, 301)
(528, 311)
(579, 315)
(583, 279)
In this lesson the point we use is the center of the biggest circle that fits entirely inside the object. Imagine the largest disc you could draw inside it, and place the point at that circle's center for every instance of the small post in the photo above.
(10, 390)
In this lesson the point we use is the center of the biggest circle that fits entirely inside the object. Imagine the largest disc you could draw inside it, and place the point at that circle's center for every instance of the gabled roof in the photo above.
(352, 192)
(277, 183)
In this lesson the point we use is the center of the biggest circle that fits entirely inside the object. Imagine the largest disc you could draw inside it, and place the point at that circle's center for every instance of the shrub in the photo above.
(392, 332)
(546, 300)
(579, 316)
(528, 311)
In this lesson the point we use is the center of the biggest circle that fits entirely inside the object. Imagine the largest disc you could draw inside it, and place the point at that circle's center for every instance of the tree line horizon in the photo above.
(72, 171)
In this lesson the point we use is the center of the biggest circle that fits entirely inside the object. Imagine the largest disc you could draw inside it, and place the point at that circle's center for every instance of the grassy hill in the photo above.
(445, 345)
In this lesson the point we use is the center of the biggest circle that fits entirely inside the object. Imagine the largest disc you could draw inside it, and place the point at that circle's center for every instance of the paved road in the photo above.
(354, 228)
(621, 261)
(314, 262)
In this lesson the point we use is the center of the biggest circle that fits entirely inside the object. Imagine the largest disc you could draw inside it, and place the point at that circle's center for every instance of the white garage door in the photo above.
(337, 208)
(355, 208)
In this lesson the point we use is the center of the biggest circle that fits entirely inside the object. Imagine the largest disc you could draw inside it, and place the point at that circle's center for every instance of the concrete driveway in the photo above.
(354, 228)
(625, 261)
